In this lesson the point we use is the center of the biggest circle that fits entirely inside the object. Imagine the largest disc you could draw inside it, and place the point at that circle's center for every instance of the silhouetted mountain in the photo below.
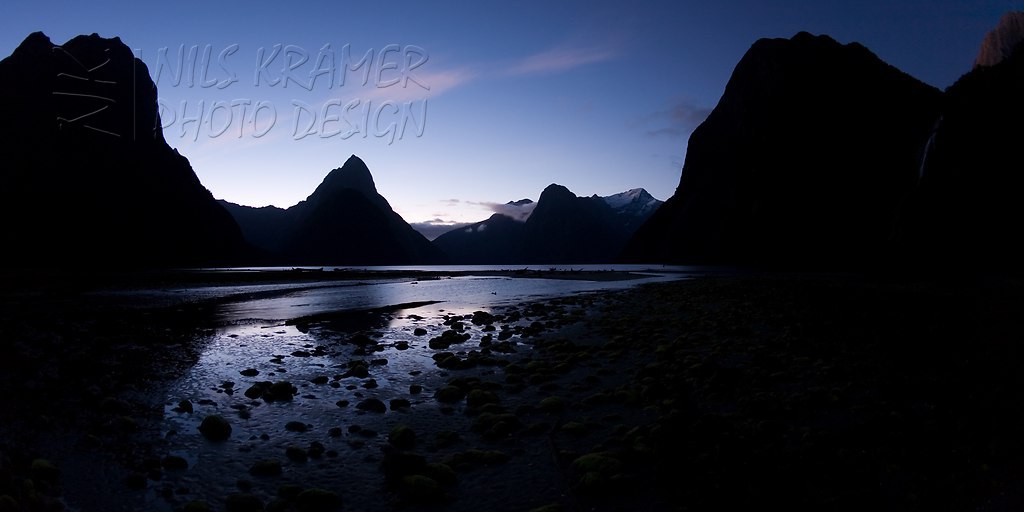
(968, 207)
(343, 222)
(264, 228)
(495, 241)
(88, 177)
(564, 228)
(561, 228)
(806, 160)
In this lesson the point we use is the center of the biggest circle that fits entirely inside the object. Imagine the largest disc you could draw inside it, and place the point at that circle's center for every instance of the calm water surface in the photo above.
(251, 334)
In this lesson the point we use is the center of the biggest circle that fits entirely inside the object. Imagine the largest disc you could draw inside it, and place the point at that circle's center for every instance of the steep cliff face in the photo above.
(968, 208)
(88, 177)
(805, 160)
(345, 221)
(1001, 41)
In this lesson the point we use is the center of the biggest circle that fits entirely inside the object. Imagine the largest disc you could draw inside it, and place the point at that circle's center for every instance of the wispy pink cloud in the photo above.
(421, 84)
(561, 59)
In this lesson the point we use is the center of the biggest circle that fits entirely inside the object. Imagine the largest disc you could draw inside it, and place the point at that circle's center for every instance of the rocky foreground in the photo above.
(810, 393)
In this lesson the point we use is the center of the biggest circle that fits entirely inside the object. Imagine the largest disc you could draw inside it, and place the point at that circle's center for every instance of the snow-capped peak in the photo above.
(634, 199)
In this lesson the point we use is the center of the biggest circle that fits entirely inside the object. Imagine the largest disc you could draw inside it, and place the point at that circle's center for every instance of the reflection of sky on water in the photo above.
(455, 292)
(251, 334)
(258, 431)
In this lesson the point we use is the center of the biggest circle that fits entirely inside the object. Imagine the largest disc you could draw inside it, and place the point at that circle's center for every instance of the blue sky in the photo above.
(598, 96)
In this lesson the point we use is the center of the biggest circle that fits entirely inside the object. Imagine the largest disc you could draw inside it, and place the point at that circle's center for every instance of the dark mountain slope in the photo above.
(806, 160)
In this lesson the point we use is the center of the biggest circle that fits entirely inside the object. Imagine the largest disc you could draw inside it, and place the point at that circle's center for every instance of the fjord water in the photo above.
(281, 302)
(252, 334)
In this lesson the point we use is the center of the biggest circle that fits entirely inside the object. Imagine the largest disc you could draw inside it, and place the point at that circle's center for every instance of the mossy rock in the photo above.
(269, 467)
(243, 502)
(471, 458)
(449, 394)
(256, 390)
(420, 489)
(496, 426)
(575, 428)
(289, 491)
(296, 454)
(596, 463)
(197, 506)
(592, 481)
(296, 426)
(402, 437)
(398, 464)
(174, 463)
(215, 428)
(479, 397)
(447, 438)
(278, 505)
(552, 404)
(442, 473)
(372, 405)
(318, 500)
(44, 471)
(552, 507)
(136, 481)
(281, 391)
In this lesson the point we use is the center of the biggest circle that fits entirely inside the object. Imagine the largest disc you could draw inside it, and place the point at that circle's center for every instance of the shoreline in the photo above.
(804, 392)
(58, 279)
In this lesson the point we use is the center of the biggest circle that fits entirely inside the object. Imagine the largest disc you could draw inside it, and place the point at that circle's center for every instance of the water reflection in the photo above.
(253, 344)
(457, 292)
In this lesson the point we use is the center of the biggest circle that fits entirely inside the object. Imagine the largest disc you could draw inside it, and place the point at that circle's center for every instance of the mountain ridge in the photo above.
(88, 166)
(805, 160)
(562, 228)
(344, 221)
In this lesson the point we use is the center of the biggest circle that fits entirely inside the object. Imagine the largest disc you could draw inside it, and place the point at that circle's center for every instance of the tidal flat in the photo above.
(811, 392)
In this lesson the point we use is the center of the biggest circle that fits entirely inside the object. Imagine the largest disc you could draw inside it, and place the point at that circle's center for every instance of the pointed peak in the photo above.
(355, 161)
(353, 174)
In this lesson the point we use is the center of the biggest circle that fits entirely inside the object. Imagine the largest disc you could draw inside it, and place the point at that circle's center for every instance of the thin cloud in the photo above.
(436, 227)
(678, 120)
(517, 212)
(563, 58)
(421, 84)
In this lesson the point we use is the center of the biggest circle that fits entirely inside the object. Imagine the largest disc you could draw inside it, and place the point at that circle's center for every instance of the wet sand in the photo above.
(811, 393)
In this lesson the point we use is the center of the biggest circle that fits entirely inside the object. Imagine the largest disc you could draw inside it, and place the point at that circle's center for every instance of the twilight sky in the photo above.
(597, 96)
